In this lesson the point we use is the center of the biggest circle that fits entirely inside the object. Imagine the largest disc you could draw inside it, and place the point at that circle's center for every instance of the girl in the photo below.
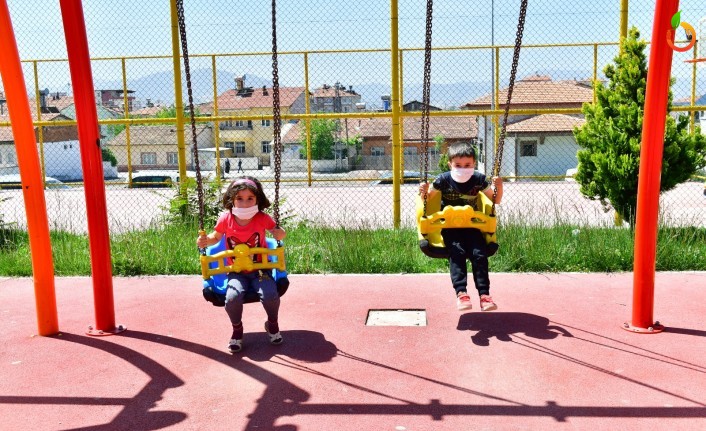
(243, 222)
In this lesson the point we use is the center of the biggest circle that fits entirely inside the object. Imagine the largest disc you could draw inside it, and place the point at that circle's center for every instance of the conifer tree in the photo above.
(610, 139)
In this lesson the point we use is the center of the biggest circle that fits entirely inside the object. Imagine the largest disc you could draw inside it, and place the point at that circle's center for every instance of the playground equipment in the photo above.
(218, 260)
(31, 174)
(480, 213)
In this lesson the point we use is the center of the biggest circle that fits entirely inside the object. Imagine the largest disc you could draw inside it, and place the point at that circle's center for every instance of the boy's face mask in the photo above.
(462, 175)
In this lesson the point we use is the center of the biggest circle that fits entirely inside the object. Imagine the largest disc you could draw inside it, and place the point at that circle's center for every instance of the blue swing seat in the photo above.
(214, 288)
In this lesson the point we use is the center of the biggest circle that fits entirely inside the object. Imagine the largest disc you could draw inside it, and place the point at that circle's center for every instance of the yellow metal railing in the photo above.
(396, 114)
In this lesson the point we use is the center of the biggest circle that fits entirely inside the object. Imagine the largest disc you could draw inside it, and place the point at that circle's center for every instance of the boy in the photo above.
(457, 187)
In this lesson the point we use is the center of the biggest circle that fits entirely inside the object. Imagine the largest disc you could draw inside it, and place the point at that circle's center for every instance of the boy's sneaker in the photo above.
(463, 302)
(487, 304)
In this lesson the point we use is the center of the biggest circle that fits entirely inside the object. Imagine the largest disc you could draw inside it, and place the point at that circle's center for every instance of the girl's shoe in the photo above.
(275, 338)
(235, 344)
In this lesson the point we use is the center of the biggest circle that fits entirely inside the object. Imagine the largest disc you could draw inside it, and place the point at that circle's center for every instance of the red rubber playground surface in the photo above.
(553, 356)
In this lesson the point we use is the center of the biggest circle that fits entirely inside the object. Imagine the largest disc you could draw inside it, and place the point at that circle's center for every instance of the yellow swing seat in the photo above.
(241, 257)
(478, 216)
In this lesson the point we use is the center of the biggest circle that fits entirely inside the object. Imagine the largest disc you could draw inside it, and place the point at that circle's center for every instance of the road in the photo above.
(356, 205)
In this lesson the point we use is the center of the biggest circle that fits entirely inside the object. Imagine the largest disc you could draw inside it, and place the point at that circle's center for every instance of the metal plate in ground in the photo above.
(396, 318)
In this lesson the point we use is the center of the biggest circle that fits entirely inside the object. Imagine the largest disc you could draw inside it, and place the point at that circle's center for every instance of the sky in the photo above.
(143, 28)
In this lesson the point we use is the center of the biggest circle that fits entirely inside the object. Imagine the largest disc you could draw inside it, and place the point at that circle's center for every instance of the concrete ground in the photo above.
(554, 356)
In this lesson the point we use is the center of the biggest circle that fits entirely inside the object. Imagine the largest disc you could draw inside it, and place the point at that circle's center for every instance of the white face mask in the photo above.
(245, 213)
(462, 175)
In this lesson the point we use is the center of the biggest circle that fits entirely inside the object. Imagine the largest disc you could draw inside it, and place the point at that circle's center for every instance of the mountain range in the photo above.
(159, 87)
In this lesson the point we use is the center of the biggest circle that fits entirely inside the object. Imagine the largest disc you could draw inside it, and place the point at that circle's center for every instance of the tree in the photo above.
(108, 156)
(610, 139)
(444, 158)
(323, 138)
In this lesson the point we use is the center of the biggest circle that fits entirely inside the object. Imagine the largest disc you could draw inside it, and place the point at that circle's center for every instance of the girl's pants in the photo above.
(258, 281)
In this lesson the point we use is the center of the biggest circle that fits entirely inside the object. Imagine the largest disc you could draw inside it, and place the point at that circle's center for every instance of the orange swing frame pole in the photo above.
(651, 152)
(31, 174)
(92, 164)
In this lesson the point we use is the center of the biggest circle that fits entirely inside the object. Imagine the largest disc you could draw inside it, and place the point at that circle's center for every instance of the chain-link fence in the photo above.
(336, 80)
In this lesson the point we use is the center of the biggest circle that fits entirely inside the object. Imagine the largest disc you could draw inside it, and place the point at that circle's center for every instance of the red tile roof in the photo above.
(45, 116)
(329, 91)
(539, 90)
(155, 135)
(450, 127)
(148, 111)
(231, 100)
(546, 123)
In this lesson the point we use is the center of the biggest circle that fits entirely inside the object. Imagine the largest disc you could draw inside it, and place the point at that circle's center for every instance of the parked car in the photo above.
(153, 179)
(409, 177)
(14, 182)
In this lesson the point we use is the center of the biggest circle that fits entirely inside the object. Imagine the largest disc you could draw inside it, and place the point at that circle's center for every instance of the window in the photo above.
(239, 148)
(410, 151)
(0, 157)
(528, 148)
(266, 147)
(148, 158)
(377, 151)
(433, 151)
(10, 158)
(265, 123)
(229, 144)
(172, 159)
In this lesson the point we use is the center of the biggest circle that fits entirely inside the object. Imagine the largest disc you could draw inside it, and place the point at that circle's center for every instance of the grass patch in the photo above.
(318, 250)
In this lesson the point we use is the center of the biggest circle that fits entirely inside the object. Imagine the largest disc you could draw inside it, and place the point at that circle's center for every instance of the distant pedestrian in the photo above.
(240, 166)
(227, 166)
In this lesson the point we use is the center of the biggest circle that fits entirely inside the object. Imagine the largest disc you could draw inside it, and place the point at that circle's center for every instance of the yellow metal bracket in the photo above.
(242, 259)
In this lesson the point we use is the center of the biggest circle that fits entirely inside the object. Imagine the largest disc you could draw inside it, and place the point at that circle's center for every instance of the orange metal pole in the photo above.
(92, 163)
(651, 151)
(31, 174)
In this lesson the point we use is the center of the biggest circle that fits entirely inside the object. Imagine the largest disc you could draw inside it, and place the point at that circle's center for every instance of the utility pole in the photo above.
(489, 125)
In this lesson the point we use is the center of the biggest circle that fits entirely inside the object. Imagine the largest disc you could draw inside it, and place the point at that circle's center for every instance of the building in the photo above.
(376, 133)
(115, 99)
(64, 104)
(550, 133)
(155, 147)
(416, 105)
(248, 138)
(60, 145)
(336, 98)
(376, 148)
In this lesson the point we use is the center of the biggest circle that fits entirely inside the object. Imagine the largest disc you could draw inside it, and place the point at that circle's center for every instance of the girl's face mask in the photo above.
(245, 213)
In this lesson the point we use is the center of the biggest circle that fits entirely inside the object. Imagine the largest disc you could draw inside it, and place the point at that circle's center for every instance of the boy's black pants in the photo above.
(462, 244)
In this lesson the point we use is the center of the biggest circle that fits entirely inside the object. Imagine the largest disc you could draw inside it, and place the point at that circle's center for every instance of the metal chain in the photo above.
(277, 128)
(513, 72)
(424, 157)
(192, 116)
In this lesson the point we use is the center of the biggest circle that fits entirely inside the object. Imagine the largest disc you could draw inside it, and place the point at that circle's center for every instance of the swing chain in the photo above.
(425, 99)
(513, 72)
(192, 116)
(277, 127)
